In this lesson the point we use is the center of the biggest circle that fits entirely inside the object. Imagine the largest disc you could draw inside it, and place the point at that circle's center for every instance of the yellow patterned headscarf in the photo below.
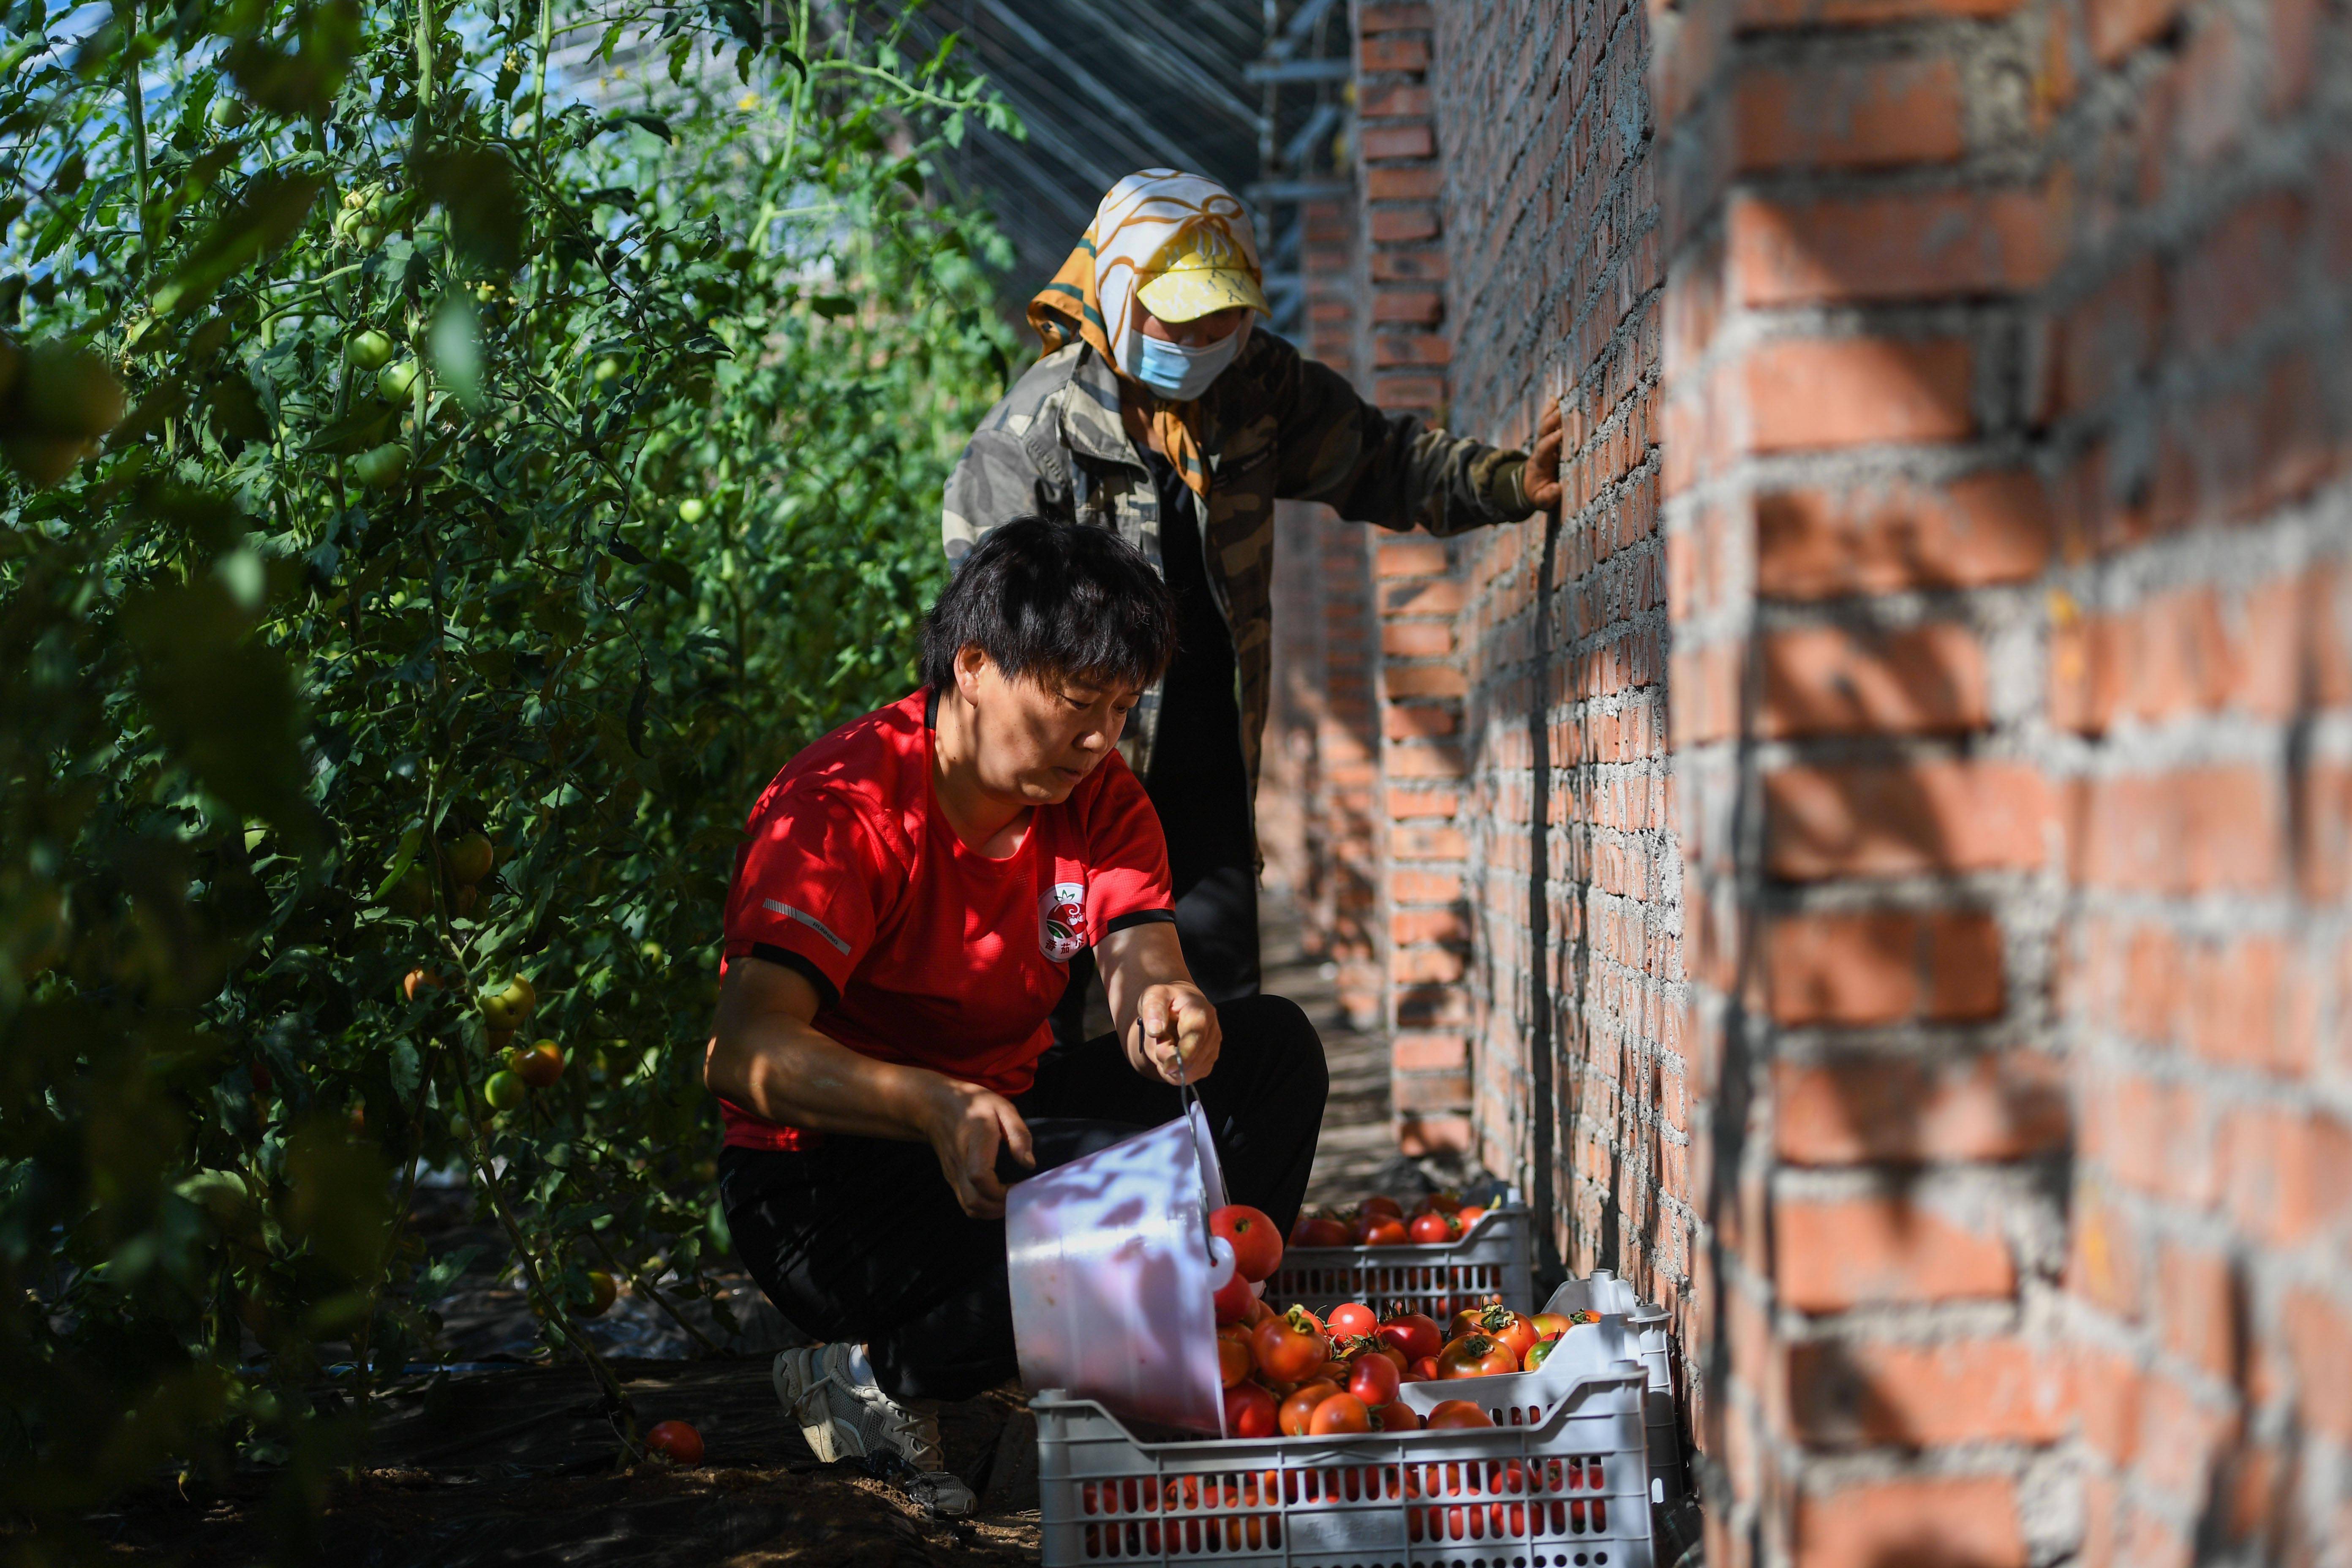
(1093, 295)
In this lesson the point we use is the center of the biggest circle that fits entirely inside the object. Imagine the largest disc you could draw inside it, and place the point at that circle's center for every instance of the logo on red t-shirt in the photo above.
(1062, 921)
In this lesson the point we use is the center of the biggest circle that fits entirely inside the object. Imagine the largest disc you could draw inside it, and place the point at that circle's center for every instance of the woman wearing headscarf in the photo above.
(1161, 411)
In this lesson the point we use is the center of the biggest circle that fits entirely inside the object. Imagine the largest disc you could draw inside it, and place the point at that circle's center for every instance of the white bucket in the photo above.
(1111, 1274)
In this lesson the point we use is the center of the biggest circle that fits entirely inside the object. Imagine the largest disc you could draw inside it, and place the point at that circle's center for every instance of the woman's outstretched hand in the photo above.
(1542, 477)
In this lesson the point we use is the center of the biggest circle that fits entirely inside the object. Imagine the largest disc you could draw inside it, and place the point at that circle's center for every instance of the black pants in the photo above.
(861, 1238)
(1200, 788)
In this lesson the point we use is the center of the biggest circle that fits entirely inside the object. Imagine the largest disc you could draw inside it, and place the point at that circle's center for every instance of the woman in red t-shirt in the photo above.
(906, 902)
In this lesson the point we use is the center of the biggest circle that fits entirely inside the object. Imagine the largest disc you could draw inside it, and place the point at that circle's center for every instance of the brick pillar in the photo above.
(1403, 345)
(1315, 821)
(2007, 364)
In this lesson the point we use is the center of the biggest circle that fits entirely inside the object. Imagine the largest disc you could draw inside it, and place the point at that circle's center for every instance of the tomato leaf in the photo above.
(272, 209)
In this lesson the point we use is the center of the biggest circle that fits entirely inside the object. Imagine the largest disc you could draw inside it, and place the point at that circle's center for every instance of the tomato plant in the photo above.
(441, 492)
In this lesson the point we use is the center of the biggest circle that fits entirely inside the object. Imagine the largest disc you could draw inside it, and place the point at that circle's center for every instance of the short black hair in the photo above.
(1052, 600)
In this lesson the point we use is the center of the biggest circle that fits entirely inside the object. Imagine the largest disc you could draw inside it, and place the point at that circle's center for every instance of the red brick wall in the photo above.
(1945, 710)
(1403, 340)
(1317, 824)
(1555, 293)
(2005, 383)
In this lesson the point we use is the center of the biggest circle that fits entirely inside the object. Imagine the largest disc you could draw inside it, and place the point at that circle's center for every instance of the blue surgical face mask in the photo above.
(1177, 372)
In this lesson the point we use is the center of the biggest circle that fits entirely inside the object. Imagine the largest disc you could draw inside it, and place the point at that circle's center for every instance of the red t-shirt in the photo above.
(924, 950)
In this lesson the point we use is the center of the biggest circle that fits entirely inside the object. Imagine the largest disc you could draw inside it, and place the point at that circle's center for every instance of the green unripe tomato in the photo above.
(395, 381)
(607, 369)
(228, 113)
(692, 509)
(505, 1090)
(382, 468)
(369, 350)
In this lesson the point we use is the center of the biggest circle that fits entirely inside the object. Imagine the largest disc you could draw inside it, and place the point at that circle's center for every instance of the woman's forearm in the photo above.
(777, 1066)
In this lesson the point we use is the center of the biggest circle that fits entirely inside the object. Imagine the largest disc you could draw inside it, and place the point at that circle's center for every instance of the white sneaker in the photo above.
(845, 1419)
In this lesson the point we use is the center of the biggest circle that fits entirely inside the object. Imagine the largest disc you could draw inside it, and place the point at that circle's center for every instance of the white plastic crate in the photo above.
(1650, 1329)
(1567, 1492)
(1629, 1330)
(1493, 1258)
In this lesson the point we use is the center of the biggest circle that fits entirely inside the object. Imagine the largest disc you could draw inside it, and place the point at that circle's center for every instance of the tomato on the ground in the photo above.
(675, 1441)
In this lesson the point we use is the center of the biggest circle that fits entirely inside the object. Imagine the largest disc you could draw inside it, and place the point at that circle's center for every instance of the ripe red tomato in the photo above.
(675, 1442)
(1350, 1320)
(1385, 1233)
(1250, 1411)
(1476, 1355)
(1467, 1321)
(1445, 1200)
(1234, 1362)
(1456, 1414)
(1257, 1245)
(1398, 1416)
(1258, 1311)
(1299, 1407)
(1321, 1230)
(1233, 1300)
(1434, 1229)
(1470, 1215)
(541, 1065)
(1290, 1346)
(1415, 1333)
(1392, 1355)
(1377, 1205)
(1513, 1332)
(1339, 1413)
(1374, 1379)
(1422, 1371)
(1549, 1325)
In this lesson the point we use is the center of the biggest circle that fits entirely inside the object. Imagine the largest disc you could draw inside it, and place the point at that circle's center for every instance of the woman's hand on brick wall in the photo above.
(1542, 477)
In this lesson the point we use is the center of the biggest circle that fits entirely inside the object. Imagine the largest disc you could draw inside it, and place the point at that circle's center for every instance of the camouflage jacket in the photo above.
(1275, 426)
